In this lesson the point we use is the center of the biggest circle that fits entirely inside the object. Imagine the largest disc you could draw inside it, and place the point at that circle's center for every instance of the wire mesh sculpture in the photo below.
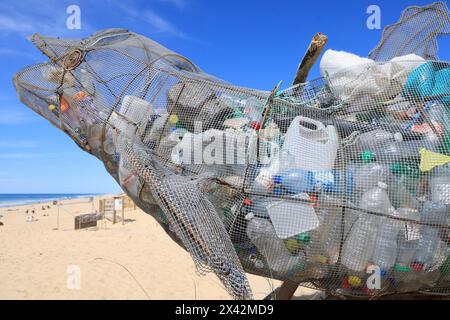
(417, 32)
(321, 184)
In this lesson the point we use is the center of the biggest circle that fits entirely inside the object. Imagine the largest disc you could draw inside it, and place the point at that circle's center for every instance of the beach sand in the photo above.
(135, 260)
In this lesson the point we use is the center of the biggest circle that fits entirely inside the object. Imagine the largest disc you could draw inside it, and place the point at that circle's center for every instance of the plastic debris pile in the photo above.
(325, 184)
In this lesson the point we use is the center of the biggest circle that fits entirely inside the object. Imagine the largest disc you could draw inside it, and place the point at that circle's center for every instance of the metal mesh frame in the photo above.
(417, 31)
(131, 102)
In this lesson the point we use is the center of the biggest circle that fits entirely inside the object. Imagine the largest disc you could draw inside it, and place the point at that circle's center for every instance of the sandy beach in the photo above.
(134, 260)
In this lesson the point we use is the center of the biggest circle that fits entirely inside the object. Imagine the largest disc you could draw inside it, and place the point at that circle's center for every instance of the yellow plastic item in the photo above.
(430, 159)
(51, 107)
(173, 119)
(292, 245)
(354, 281)
(321, 259)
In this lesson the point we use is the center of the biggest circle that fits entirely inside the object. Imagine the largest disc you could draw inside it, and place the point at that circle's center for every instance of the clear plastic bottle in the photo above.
(262, 234)
(256, 206)
(264, 179)
(395, 151)
(408, 237)
(128, 179)
(385, 251)
(434, 213)
(322, 251)
(405, 185)
(253, 110)
(370, 140)
(296, 180)
(440, 184)
(362, 177)
(359, 246)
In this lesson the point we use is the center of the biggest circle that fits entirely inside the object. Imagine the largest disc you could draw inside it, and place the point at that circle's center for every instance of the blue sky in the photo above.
(250, 43)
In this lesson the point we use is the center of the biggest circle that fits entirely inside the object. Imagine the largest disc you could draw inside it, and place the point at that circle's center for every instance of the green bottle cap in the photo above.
(367, 156)
(405, 168)
(363, 117)
(396, 168)
(400, 267)
(304, 237)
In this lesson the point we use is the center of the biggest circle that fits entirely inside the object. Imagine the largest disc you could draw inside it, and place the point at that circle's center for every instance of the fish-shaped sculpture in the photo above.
(282, 184)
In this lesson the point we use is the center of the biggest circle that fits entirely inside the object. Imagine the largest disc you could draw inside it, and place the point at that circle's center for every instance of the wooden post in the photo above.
(57, 217)
(284, 292)
(101, 206)
(316, 46)
(123, 209)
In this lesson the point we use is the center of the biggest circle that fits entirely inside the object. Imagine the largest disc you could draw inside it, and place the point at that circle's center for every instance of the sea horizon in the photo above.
(17, 199)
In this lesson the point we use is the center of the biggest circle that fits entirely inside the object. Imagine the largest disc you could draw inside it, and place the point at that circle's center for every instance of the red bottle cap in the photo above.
(255, 125)
(417, 266)
(248, 202)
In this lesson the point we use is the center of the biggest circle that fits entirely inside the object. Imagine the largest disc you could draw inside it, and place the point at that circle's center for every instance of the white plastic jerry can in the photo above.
(313, 145)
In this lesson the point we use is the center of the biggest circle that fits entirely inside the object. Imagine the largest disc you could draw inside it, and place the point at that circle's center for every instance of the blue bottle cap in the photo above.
(327, 186)
(277, 191)
(383, 272)
(277, 179)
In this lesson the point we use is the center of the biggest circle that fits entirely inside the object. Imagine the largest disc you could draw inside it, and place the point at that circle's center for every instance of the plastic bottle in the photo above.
(408, 237)
(440, 184)
(127, 178)
(253, 110)
(262, 234)
(371, 139)
(325, 240)
(406, 179)
(264, 180)
(359, 246)
(395, 151)
(385, 251)
(256, 207)
(364, 176)
(296, 180)
(434, 213)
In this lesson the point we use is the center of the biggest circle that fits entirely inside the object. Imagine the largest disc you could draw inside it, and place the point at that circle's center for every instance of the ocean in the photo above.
(16, 199)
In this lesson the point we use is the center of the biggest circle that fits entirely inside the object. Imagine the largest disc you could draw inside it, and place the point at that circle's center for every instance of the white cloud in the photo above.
(27, 17)
(14, 52)
(159, 23)
(23, 155)
(14, 116)
(18, 144)
(15, 24)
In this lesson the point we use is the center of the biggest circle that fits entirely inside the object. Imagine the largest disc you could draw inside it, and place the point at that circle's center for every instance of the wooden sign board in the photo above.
(86, 221)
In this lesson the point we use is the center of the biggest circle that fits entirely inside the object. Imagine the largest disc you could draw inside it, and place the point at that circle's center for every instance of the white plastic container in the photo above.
(135, 109)
(313, 146)
(290, 218)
